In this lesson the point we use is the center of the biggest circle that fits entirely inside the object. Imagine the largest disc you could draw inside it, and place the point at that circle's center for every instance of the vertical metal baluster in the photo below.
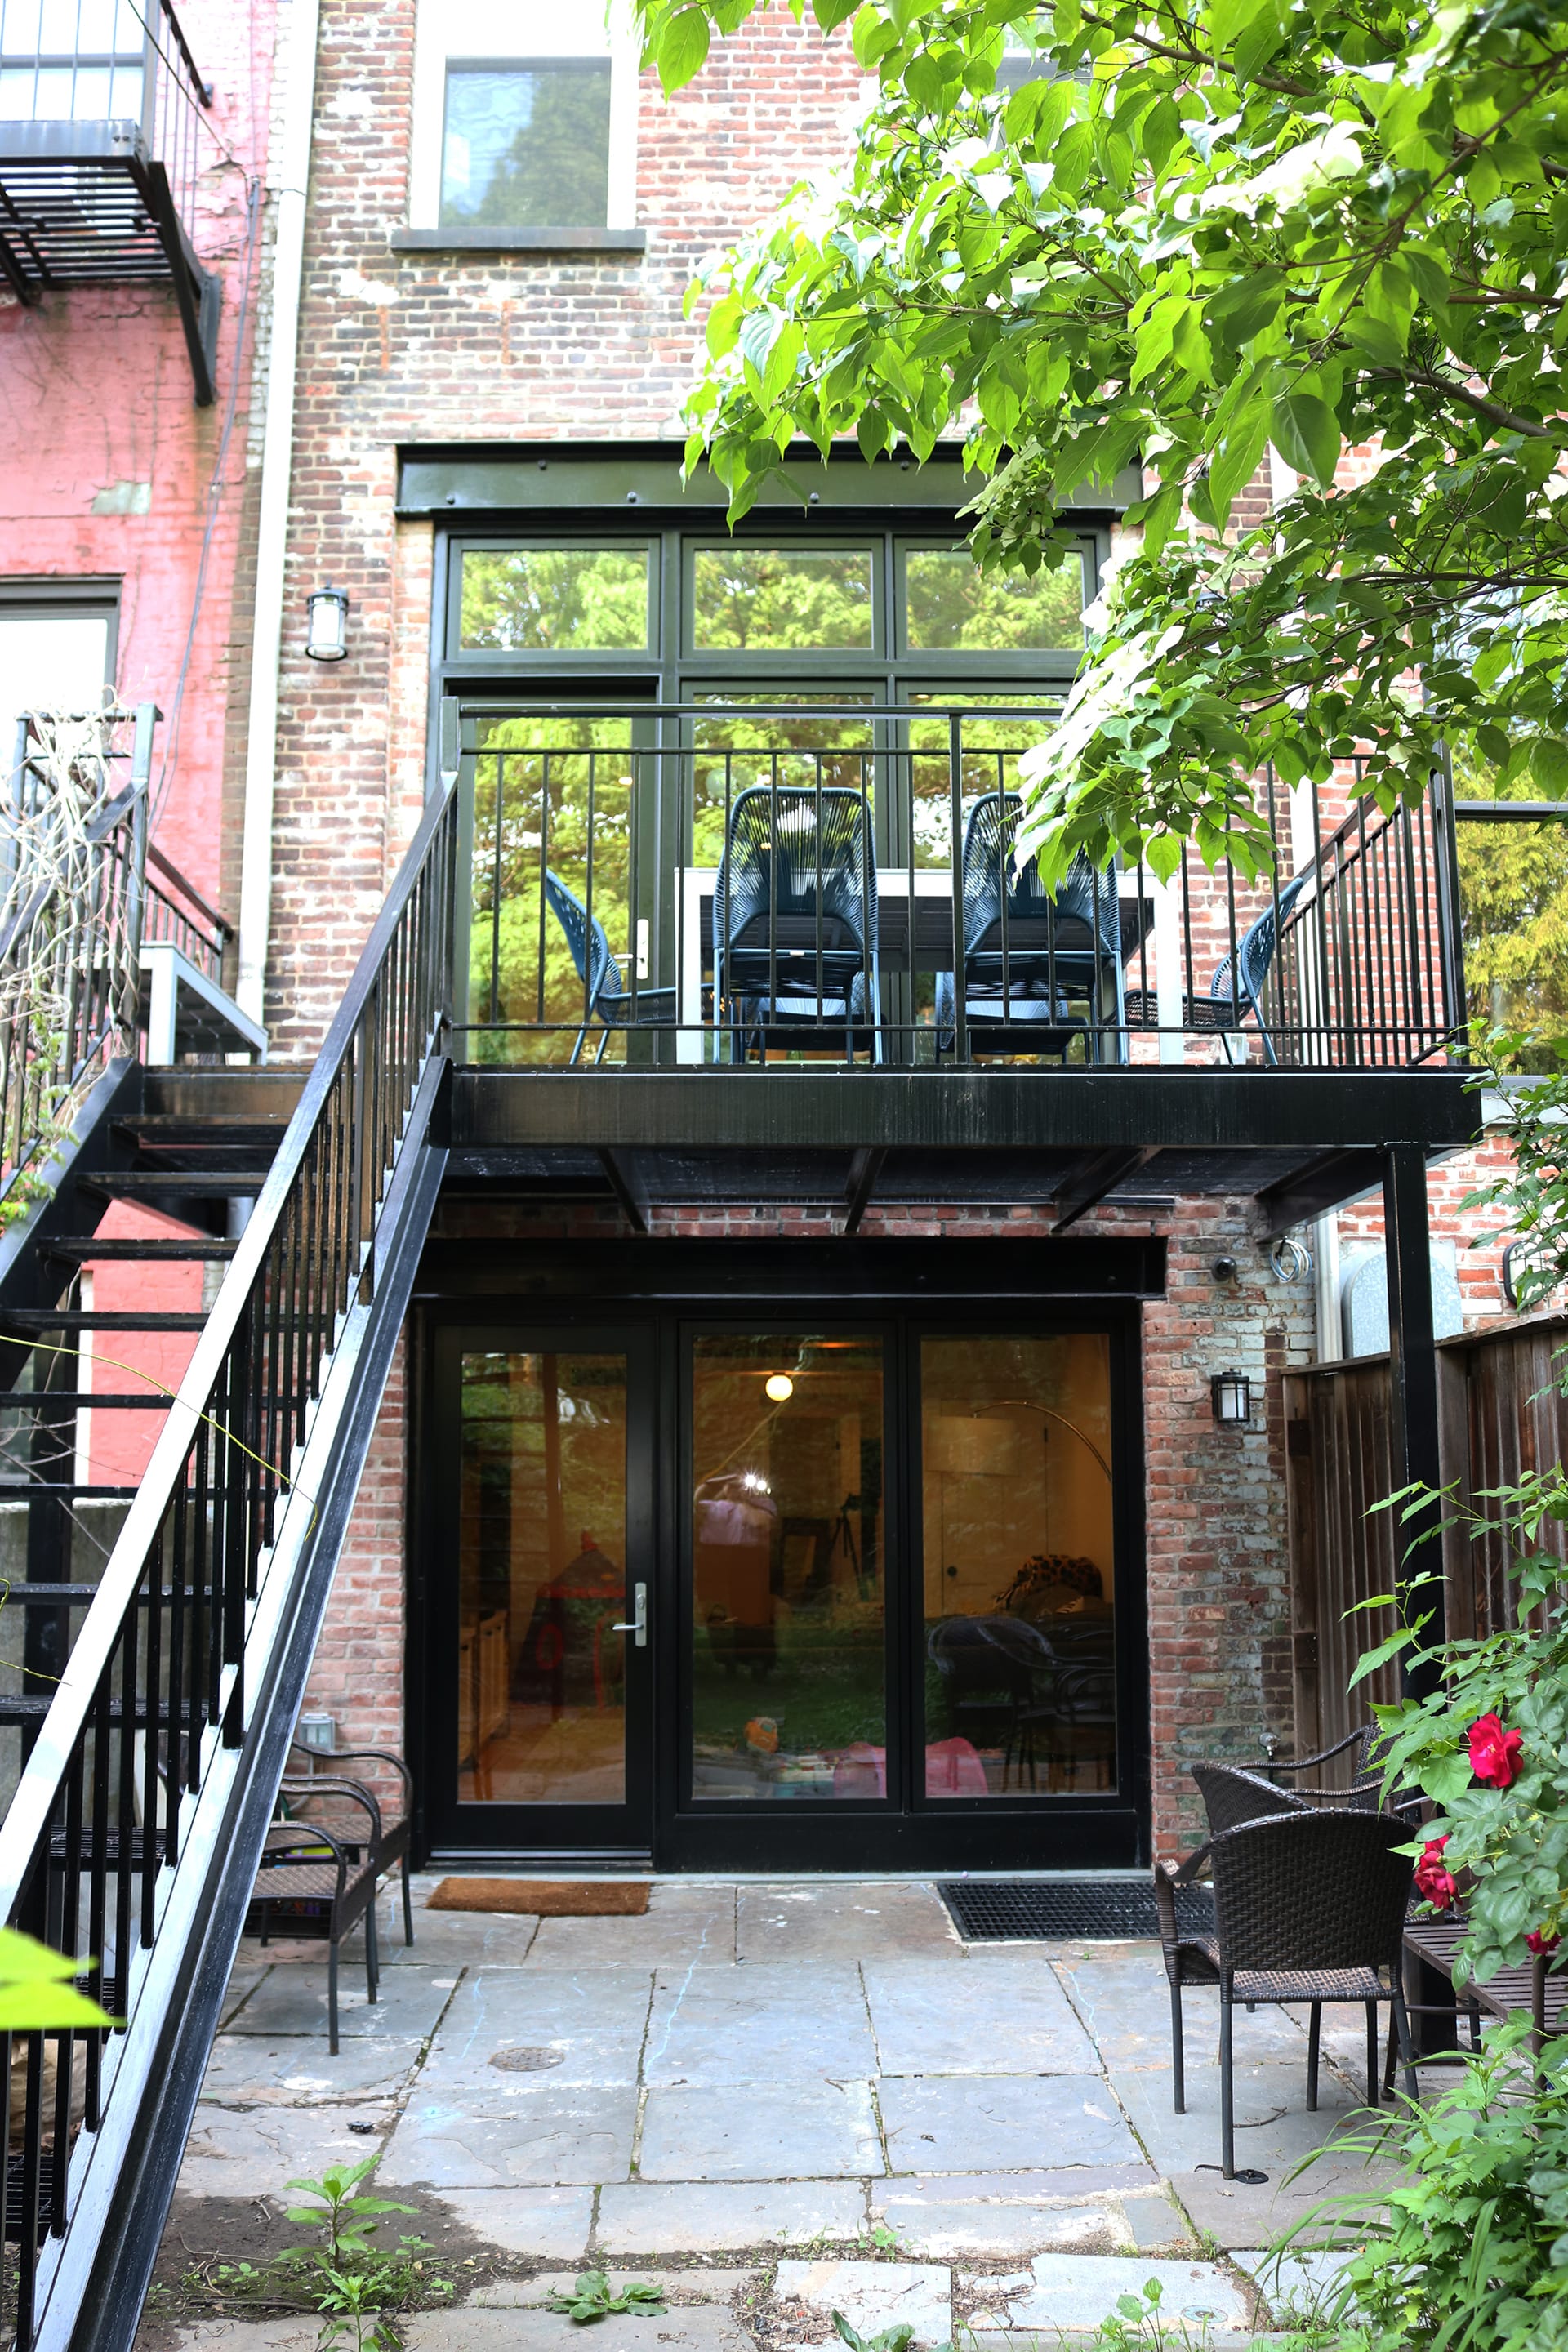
(176, 1707)
(97, 1882)
(543, 863)
(955, 827)
(124, 1796)
(153, 1674)
(32, 2186)
(588, 940)
(495, 896)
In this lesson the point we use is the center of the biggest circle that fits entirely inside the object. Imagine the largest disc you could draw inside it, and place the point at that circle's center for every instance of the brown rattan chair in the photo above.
(1309, 1906)
(311, 1767)
(1365, 1770)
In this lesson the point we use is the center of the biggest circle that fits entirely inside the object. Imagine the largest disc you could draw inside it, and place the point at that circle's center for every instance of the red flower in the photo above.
(1435, 1882)
(1494, 1752)
(1541, 1943)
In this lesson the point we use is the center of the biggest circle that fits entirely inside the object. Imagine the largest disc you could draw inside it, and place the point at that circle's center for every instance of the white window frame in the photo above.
(455, 29)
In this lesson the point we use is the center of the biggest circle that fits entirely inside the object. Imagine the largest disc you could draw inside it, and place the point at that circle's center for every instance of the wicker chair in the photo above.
(1309, 1906)
(606, 993)
(1239, 983)
(795, 921)
(1366, 1772)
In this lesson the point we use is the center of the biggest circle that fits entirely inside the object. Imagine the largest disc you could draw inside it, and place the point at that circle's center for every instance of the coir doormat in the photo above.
(1040, 1909)
(545, 1899)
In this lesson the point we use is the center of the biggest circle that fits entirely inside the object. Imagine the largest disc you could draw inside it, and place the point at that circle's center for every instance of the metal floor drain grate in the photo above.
(986, 1909)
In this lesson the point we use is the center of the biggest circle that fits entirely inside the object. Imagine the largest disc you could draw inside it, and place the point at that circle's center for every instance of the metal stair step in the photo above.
(132, 1182)
(79, 1400)
(130, 1250)
(92, 1318)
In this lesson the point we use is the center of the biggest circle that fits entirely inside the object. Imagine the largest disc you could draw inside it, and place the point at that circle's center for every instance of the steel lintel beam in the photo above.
(627, 1183)
(1096, 1176)
(1081, 1110)
(1328, 1183)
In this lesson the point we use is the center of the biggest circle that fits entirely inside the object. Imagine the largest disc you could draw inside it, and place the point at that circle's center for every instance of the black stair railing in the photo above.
(73, 850)
(139, 1814)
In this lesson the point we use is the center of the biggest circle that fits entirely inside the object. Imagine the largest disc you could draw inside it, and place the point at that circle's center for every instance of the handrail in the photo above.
(164, 1651)
(170, 872)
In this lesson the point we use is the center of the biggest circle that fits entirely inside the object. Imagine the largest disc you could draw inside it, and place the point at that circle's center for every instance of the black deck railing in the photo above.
(73, 844)
(101, 107)
(696, 883)
(175, 914)
(153, 1765)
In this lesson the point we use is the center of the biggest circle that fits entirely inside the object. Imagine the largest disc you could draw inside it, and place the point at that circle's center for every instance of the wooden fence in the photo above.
(1501, 1416)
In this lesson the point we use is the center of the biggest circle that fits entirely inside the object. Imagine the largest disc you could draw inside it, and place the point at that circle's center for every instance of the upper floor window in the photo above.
(71, 60)
(57, 653)
(525, 117)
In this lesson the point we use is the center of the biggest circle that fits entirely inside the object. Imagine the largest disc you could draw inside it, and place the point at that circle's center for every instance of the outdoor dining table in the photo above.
(1538, 1990)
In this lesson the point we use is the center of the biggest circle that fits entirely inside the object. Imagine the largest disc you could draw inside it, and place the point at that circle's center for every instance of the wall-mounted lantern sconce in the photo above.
(327, 636)
(1231, 1396)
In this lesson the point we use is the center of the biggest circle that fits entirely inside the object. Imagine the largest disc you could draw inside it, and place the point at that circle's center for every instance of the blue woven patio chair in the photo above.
(795, 921)
(1239, 978)
(605, 994)
(1040, 968)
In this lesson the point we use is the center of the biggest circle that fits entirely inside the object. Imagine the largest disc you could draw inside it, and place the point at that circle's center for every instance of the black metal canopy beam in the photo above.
(865, 1166)
(1312, 1192)
(1096, 1176)
(1080, 1111)
(627, 1183)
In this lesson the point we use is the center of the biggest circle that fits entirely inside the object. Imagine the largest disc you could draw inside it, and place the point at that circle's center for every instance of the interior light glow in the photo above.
(779, 1386)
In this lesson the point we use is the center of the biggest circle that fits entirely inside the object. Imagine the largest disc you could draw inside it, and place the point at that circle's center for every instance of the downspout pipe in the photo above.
(291, 183)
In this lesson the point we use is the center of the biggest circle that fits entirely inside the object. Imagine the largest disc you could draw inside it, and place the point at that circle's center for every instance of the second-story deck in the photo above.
(745, 950)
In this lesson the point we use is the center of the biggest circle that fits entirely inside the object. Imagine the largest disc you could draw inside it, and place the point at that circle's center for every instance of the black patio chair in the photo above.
(304, 1863)
(606, 995)
(1239, 980)
(1040, 969)
(1309, 1906)
(307, 1777)
(795, 921)
(1365, 1772)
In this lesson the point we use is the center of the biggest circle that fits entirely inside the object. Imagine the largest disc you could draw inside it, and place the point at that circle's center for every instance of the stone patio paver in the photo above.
(712, 2026)
(978, 2122)
(272, 2070)
(702, 2328)
(550, 2225)
(1072, 2293)
(472, 2139)
(871, 2296)
(293, 1999)
(256, 2152)
(776, 2131)
(684, 1925)
(868, 1921)
(651, 2216)
(592, 2020)
(995, 2012)
(1273, 2127)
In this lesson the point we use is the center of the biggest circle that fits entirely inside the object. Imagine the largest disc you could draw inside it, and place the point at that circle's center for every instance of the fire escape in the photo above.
(98, 157)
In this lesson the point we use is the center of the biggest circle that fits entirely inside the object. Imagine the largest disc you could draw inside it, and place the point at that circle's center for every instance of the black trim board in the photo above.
(1218, 1110)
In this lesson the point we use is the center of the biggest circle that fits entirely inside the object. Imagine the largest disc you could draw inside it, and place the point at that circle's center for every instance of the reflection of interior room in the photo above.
(1016, 1509)
(540, 1693)
(787, 1511)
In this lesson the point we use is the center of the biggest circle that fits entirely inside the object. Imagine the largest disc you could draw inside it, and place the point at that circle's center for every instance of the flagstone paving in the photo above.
(780, 2100)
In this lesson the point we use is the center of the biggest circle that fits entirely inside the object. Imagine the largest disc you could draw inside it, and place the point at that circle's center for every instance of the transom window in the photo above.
(525, 117)
(760, 612)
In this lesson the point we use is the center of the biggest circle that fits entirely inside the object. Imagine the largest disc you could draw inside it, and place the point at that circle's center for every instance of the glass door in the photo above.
(542, 1634)
(1019, 1555)
(787, 1543)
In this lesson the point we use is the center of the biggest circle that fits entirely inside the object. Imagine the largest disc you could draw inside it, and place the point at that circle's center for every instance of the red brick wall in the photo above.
(95, 390)
(1218, 1608)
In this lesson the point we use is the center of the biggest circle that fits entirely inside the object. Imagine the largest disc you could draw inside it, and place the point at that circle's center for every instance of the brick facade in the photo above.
(406, 347)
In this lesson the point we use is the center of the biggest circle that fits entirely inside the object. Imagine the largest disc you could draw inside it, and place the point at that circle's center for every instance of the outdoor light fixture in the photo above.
(779, 1386)
(1231, 1395)
(327, 636)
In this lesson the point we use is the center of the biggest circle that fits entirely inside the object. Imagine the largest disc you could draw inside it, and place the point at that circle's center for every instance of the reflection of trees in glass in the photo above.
(532, 782)
(527, 147)
(1514, 912)
(952, 607)
(769, 600)
(988, 763)
(554, 599)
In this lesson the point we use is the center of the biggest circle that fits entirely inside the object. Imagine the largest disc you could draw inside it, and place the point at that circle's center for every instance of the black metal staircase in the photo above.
(153, 1698)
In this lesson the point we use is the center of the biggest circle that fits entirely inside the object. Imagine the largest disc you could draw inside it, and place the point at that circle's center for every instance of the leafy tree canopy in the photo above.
(1185, 231)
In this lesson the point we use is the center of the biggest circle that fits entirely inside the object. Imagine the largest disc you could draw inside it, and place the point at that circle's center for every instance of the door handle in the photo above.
(636, 1624)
